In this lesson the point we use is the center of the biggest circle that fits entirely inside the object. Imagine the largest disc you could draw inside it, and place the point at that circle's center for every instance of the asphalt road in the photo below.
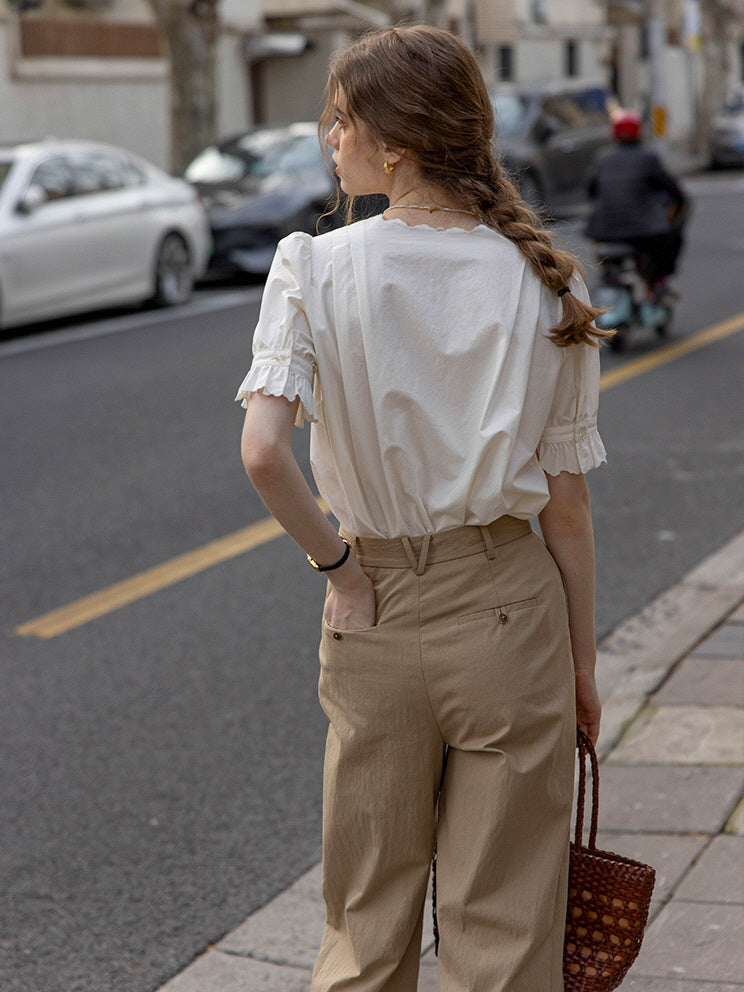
(161, 764)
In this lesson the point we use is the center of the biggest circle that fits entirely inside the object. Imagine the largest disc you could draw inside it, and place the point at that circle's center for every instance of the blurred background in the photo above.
(160, 737)
(166, 78)
(225, 94)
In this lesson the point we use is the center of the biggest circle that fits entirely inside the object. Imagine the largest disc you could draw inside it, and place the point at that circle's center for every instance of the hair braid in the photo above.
(554, 267)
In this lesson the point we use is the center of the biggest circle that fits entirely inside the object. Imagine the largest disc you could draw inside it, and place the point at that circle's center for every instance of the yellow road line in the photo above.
(183, 566)
(153, 579)
(670, 352)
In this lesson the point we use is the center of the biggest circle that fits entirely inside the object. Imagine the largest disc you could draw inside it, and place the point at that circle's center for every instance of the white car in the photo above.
(86, 225)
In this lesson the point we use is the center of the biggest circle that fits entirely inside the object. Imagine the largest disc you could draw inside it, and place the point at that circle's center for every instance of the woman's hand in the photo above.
(350, 602)
(588, 707)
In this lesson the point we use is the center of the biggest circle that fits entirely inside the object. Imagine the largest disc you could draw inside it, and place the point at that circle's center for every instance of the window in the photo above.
(643, 40)
(563, 112)
(571, 58)
(593, 102)
(133, 175)
(258, 153)
(5, 168)
(55, 177)
(98, 172)
(539, 11)
(505, 62)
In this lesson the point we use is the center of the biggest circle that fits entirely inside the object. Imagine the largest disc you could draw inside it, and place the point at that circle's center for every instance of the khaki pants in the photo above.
(470, 650)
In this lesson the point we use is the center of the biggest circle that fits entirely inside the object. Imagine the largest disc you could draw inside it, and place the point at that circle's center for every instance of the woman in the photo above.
(445, 354)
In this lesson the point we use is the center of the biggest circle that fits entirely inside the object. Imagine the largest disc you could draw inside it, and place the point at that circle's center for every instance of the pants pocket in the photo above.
(500, 613)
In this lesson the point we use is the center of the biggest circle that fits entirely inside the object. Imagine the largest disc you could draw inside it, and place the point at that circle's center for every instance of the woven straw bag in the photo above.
(608, 901)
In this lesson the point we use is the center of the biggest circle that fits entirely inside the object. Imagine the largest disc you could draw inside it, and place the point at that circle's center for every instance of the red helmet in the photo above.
(627, 126)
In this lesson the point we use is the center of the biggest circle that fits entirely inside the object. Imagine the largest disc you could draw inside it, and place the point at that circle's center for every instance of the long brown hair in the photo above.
(420, 88)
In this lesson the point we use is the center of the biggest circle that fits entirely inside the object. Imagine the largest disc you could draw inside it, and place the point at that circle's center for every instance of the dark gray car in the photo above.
(262, 185)
(258, 187)
(548, 136)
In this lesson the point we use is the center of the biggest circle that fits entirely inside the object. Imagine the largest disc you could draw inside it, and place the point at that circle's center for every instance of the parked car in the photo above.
(259, 186)
(548, 136)
(727, 135)
(85, 225)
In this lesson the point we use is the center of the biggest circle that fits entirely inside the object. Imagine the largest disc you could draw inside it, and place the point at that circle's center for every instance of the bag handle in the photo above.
(586, 749)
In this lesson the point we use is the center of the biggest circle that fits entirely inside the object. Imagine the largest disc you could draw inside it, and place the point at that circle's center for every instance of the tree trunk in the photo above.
(190, 29)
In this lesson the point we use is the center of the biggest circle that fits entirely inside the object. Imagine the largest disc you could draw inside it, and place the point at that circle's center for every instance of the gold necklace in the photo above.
(431, 208)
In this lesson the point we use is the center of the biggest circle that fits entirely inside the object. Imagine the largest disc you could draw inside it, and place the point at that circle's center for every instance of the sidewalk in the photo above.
(672, 794)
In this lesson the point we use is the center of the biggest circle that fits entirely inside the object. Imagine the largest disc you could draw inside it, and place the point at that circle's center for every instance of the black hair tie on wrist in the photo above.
(564, 290)
(336, 564)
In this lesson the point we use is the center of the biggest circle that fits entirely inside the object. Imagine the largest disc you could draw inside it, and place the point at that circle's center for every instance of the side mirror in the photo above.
(32, 199)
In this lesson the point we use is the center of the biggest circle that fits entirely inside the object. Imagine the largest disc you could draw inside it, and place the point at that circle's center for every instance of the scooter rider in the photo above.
(637, 201)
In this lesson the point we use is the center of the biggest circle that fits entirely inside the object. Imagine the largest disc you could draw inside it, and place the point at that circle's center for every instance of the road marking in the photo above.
(670, 352)
(183, 566)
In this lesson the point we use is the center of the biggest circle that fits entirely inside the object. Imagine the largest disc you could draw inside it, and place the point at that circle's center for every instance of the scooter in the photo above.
(626, 297)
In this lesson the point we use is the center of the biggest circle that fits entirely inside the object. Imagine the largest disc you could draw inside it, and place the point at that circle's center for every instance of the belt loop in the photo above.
(353, 540)
(488, 541)
(421, 566)
(408, 548)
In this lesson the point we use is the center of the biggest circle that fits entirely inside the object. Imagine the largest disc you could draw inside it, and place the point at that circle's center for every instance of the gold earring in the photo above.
(388, 168)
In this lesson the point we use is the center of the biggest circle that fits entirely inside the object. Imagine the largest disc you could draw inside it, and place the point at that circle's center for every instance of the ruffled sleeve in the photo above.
(283, 352)
(571, 441)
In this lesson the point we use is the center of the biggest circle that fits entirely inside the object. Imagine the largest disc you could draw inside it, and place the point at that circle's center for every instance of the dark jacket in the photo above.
(633, 194)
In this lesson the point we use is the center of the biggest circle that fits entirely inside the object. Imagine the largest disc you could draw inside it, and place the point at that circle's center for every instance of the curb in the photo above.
(274, 949)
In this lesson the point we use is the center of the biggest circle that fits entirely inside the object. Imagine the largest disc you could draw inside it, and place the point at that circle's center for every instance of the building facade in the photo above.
(98, 68)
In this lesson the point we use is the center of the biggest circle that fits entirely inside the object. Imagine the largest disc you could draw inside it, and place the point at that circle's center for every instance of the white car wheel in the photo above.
(174, 280)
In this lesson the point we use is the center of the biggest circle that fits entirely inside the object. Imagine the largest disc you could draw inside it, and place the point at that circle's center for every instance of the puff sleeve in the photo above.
(570, 441)
(283, 352)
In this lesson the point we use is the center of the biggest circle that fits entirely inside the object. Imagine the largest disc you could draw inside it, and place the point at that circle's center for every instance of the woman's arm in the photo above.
(566, 524)
(266, 448)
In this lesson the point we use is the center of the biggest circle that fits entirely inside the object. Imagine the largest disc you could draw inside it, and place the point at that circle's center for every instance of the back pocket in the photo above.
(500, 613)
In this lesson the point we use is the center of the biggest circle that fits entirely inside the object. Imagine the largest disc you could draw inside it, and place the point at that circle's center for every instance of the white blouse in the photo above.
(422, 359)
